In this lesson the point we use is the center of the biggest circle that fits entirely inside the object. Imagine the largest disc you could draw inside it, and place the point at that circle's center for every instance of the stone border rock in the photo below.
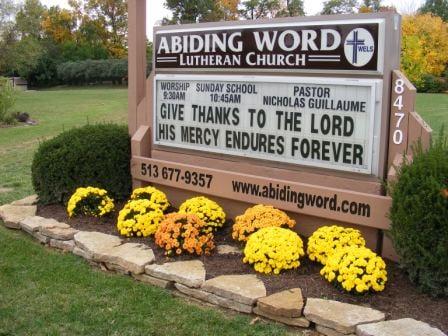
(242, 293)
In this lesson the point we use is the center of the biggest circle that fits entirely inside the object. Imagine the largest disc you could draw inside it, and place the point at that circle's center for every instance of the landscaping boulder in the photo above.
(58, 233)
(153, 281)
(214, 299)
(189, 273)
(401, 327)
(65, 245)
(13, 214)
(34, 224)
(330, 332)
(130, 257)
(291, 321)
(246, 289)
(29, 200)
(94, 244)
(288, 303)
(228, 249)
(342, 317)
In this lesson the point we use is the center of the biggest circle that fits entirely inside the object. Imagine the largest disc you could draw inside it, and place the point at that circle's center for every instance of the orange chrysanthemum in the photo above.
(180, 233)
(258, 217)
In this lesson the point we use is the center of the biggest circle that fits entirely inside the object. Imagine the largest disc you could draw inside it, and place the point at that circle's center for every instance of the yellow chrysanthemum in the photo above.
(273, 249)
(356, 269)
(152, 194)
(207, 210)
(327, 239)
(139, 218)
(90, 201)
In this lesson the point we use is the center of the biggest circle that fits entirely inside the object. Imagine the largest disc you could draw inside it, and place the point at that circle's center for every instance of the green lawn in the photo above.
(55, 110)
(433, 108)
(44, 292)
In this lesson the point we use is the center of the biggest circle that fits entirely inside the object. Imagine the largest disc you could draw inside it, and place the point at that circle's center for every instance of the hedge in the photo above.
(94, 71)
(93, 155)
(419, 216)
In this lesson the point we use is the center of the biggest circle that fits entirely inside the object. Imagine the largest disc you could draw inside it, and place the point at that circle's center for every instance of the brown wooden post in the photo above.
(402, 103)
(136, 59)
(419, 130)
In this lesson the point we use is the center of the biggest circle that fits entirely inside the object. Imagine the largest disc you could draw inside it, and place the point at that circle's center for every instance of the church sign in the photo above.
(319, 122)
(308, 114)
(349, 46)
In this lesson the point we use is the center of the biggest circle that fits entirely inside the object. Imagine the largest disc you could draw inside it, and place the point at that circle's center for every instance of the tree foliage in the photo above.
(436, 7)
(291, 8)
(259, 9)
(41, 38)
(7, 99)
(370, 6)
(93, 71)
(59, 24)
(112, 15)
(190, 11)
(93, 155)
(227, 9)
(419, 216)
(29, 18)
(8, 9)
(339, 7)
(424, 47)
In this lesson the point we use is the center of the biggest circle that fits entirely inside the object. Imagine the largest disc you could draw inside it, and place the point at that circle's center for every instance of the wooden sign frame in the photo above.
(176, 166)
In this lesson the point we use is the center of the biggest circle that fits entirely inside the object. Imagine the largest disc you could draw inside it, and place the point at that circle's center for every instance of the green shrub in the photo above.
(432, 84)
(7, 100)
(95, 71)
(419, 216)
(93, 155)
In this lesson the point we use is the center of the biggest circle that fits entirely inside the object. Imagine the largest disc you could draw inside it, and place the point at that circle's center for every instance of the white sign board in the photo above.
(320, 122)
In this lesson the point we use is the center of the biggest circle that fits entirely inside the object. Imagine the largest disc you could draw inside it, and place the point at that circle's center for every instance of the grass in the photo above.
(433, 108)
(46, 292)
(55, 110)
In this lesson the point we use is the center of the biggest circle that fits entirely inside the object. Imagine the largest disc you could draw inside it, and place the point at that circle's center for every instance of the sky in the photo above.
(156, 11)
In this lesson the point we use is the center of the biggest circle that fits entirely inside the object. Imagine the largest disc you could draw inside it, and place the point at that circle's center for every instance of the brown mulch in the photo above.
(400, 298)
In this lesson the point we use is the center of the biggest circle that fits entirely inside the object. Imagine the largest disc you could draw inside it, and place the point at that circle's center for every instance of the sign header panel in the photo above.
(343, 46)
(328, 123)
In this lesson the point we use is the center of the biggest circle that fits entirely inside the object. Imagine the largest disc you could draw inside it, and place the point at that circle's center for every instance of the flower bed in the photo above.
(399, 298)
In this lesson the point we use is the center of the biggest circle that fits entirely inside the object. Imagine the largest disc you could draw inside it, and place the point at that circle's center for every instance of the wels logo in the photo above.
(359, 47)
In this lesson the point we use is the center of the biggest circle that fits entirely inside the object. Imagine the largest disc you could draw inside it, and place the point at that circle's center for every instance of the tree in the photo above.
(59, 24)
(258, 9)
(7, 40)
(112, 15)
(8, 10)
(227, 10)
(370, 6)
(149, 50)
(190, 11)
(436, 7)
(374, 5)
(424, 46)
(291, 8)
(29, 18)
(8, 98)
(25, 56)
(339, 7)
